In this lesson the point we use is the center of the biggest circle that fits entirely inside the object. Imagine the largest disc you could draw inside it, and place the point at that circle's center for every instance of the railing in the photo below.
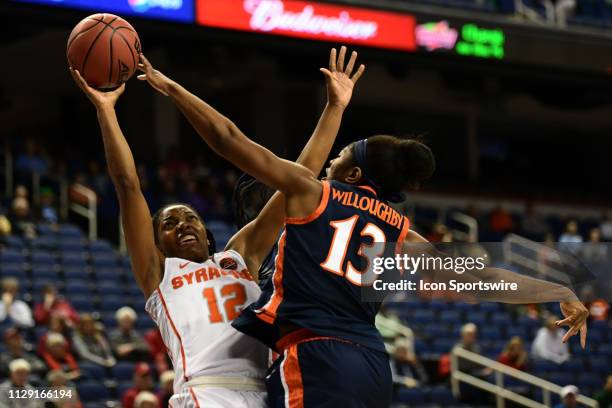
(532, 263)
(88, 211)
(472, 227)
(502, 394)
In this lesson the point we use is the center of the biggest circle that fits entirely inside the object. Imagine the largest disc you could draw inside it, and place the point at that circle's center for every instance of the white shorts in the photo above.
(217, 397)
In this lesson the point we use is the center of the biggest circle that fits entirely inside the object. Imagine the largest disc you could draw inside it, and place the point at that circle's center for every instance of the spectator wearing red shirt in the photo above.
(159, 352)
(514, 354)
(52, 304)
(57, 358)
(143, 381)
(500, 220)
(56, 325)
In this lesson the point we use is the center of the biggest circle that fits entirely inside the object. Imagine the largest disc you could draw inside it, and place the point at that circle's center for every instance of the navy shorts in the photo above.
(328, 372)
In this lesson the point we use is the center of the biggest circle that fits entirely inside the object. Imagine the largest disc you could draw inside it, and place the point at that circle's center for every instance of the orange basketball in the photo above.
(104, 48)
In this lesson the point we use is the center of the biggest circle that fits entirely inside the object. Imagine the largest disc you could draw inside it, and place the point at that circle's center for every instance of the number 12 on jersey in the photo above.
(231, 297)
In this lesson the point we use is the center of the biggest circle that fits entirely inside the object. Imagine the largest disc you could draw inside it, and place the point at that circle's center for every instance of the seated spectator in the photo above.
(89, 344)
(532, 225)
(606, 226)
(548, 345)
(19, 373)
(15, 349)
(604, 397)
(52, 304)
(126, 342)
(594, 252)
(143, 381)
(146, 399)
(33, 159)
(12, 308)
(469, 335)
(598, 309)
(570, 238)
(569, 393)
(514, 354)
(158, 350)
(56, 325)
(22, 221)
(406, 369)
(166, 382)
(57, 379)
(48, 211)
(500, 220)
(57, 358)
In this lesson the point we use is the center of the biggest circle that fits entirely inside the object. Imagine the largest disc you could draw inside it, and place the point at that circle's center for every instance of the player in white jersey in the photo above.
(194, 295)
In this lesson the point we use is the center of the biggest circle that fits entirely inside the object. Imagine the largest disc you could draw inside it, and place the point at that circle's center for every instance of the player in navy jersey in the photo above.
(332, 354)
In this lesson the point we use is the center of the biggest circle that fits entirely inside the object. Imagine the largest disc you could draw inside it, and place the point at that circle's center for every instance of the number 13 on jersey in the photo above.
(230, 298)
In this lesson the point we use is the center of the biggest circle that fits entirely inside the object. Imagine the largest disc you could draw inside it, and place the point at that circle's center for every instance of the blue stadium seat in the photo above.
(441, 395)
(74, 259)
(12, 271)
(440, 305)
(466, 307)
(599, 366)
(82, 304)
(133, 291)
(108, 274)
(590, 380)
(14, 242)
(144, 322)
(38, 285)
(450, 316)
(519, 331)
(68, 230)
(78, 287)
(123, 386)
(543, 366)
(501, 318)
(75, 272)
(44, 271)
(479, 318)
(103, 259)
(44, 242)
(72, 245)
(605, 350)
(10, 255)
(109, 288)
(411, 396)
(45, 229)
(437, 330)
(443, 345)
(92, 391)
(423, 316)
(42, 257)
(123, 371)
(101, 246)
(561, 378)
(574, 365)
(92, 371)
(111, 303)
(490, 307)
(490, 333)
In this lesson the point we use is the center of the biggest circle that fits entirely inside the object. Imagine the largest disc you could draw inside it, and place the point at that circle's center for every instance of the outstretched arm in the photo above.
(529, 290)
(257, 238)
(224, 137)
(135, 213)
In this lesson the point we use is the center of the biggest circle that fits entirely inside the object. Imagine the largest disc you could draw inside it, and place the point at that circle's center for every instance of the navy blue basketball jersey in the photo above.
(321, 268)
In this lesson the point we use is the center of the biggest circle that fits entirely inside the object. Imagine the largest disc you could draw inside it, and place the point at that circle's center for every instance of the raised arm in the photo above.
(257, 238)
(529, 290)
(224, 137)
(135, 213)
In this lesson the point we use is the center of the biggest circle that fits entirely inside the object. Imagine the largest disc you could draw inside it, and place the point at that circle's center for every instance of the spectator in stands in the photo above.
(52, 304)
(12, 308)
(570, 238)
(56, 325)
(598, 309)
(58, 380)
(18, 379)
(57, 358)
(89, 344)
(33, 159)
(547, 344)
(606, 226)
(146, 399)
(469, 335)
(532, 225)
(569, 393)
(22, 221)
(143, 381)
(158, 350)
(166, 382)
(126, 342)
(594, 252)
(514, 354)
(15, 349)
(5, 228)
(500, 220)
(604, 397)
(48, 212)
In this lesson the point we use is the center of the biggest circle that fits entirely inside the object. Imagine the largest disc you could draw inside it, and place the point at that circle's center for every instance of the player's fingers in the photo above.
(142, 77)
(583, 335)
(326, 72)
(565, 321)
(141, 67)
(351, 63)
(358, 74)
(332, 60)
(79, 79)
(145, 62)
(341, 58)
(571, 332)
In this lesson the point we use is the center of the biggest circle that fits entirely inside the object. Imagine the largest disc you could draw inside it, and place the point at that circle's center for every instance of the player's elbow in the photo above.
(226, 136)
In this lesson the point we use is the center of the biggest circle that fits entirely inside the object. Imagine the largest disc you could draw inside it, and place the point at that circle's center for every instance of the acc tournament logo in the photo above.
(141, 6)
(436, 35)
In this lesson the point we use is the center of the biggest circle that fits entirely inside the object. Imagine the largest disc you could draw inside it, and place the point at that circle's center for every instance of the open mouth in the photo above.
(188, 239)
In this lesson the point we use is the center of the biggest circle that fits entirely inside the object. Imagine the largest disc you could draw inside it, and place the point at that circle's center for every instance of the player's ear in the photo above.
(354, 175)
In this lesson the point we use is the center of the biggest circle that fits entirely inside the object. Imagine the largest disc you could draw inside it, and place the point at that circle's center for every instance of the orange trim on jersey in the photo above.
(401, 238)
(268, 312)
(302, 336)
(321, 207)
(293, 379)
(370, 189)
(176, 333)
(195, 399)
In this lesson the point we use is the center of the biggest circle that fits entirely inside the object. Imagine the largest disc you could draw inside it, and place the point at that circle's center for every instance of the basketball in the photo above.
(104, 48)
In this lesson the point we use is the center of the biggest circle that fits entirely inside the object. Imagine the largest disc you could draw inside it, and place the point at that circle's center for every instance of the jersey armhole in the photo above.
(317, 212)
(402, 236)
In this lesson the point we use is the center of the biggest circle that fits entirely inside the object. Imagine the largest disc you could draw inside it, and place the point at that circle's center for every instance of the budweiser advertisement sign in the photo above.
(311, 20)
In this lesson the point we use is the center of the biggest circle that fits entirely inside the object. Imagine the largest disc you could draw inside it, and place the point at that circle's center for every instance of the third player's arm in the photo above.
(257, 238)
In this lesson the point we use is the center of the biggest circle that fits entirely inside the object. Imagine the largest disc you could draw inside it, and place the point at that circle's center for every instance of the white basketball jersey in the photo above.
(193, 308)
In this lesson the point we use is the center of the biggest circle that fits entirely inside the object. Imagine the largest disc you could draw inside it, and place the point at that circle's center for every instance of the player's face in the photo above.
(182, 234)
(341, 166)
